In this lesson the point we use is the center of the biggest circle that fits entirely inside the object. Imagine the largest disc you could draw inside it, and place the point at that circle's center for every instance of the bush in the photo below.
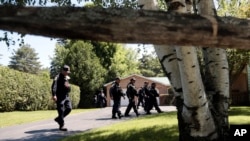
(28, 92)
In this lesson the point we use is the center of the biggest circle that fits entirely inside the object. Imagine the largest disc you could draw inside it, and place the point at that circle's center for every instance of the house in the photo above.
(239, 92)
(162, 85)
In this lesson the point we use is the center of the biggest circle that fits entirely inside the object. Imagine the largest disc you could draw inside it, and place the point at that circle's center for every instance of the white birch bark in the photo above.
(169, 62)
(217, 69)
(196, 111)
(166, 54)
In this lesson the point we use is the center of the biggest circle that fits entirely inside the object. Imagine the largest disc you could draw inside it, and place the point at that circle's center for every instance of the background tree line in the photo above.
(100, 62)
(92, 64)
(96, 63)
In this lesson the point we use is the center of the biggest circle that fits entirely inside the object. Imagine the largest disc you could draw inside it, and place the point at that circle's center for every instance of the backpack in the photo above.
(54, 85)
(111, 90)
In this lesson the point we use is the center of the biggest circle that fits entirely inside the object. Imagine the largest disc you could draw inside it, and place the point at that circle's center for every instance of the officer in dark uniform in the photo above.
(115, 95)
(141, 96)
(60, 94)
(101, 99)
(131, 94)
(153, 100)
(146, 92)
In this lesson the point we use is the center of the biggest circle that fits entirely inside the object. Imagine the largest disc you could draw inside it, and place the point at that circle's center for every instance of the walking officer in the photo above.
(146, 98)
(141, 96)
(115, 94)
(131, 94)
(60, 94)
(153, 100)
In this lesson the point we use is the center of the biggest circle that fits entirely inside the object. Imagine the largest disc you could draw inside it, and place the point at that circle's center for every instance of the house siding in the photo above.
(240, 89)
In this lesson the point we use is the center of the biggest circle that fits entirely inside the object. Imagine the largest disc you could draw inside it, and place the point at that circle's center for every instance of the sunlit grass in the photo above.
(160, 127)
(148, 128)
(239, 115)
(20, 117)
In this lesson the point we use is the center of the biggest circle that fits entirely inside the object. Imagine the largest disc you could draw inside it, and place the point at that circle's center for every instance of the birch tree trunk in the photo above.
(169, 62)
(182, 68)
(216, 77)
(196, 113)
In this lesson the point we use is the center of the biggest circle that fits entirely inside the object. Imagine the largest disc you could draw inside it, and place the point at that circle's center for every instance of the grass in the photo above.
(147, 128)
(239, 115)
(20, 117)
(158, 127)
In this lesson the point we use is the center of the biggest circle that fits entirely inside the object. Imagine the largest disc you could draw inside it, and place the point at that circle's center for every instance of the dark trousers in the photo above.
(116, 108)
(153, 103)
(140, 101)
(63, 108)
(131, 105)
(147, 105)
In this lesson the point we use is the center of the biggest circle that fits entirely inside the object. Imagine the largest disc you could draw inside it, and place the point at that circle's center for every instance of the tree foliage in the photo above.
(236, 8)
(58, 59)
(237, 61)
(237, 58)
(116, 59)
(87, 72)
(25, 59)
(124, 62)
(93, 64)
(150, 66)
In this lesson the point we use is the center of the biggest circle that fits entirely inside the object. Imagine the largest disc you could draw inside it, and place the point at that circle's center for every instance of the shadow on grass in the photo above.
(44, 135)
(237, 111)
(151, 133)
(147, 134)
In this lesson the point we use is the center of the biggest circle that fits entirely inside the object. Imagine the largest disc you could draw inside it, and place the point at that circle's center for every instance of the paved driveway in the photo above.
(47, 130)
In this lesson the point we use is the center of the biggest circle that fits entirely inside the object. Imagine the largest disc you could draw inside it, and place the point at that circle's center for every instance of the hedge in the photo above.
(27, 92)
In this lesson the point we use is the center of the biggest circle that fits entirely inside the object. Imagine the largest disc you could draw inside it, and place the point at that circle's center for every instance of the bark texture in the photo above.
(182, 68)
(216, 77)
(109, 25)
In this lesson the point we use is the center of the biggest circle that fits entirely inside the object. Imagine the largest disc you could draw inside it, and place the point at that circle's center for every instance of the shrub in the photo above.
(28, 92)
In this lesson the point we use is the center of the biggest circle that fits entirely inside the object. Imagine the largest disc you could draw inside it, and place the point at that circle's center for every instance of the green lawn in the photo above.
(20, 117)
(160, 127)
(239, 115)
(145, 128)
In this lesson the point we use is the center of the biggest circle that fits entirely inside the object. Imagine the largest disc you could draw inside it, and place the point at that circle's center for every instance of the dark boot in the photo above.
(120, 115)
(113, 116)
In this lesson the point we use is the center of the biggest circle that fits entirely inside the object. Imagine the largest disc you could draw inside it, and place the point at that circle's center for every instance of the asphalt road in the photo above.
(47, 130)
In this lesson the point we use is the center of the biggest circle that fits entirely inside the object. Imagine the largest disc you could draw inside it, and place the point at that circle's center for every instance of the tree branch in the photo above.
(126, 26)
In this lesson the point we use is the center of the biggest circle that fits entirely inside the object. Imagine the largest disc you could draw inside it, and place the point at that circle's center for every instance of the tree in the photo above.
(58, 60)
(194, 111)
(116, 59)
(236, 8)
(237, 59)
(150, 66)
(87, 72)
(86, 69)
(124, 62)
(92, 64)
(198, 99)
(105, 51)
(25, 59)
(108, 24)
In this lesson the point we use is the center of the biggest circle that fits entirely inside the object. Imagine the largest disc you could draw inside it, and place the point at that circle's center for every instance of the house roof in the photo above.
(162, 80)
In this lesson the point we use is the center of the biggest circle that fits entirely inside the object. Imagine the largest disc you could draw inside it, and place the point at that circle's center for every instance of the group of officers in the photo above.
(146, 96)
(60, 90)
